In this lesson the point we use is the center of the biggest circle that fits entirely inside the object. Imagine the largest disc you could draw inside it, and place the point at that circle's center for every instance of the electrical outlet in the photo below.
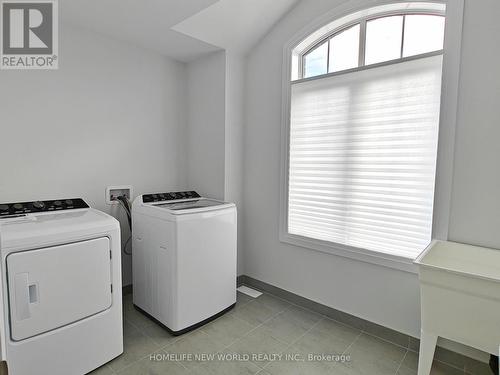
(113, 192)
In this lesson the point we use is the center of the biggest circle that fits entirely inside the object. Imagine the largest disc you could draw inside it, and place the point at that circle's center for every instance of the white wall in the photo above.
(234, 130)
(475, 209)
(214, 139)
(206, 125)
(382, 295)
(379, 294)
(112, 114)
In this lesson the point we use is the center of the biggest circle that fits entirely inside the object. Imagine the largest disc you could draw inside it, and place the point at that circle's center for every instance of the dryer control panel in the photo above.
(159, 197)
(21, 208)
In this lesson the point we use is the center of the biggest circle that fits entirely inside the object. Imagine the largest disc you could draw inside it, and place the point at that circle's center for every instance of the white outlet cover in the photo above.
(118, 187)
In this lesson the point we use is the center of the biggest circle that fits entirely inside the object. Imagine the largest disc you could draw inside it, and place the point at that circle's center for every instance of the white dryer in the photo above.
(60, 287)
(184, 258)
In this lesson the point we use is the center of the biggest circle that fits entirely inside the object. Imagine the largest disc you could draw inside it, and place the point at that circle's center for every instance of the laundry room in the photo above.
(249, 187)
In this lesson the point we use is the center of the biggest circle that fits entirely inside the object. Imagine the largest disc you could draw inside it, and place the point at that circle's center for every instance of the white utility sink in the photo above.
(460, 298)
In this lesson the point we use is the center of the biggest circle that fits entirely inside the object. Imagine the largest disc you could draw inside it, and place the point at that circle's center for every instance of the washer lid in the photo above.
(195, 205)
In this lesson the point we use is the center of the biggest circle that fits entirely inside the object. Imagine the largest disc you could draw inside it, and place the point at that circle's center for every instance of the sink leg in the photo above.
(427, 347)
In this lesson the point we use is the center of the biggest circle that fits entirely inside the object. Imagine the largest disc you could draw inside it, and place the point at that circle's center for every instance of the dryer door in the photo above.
(55, 286)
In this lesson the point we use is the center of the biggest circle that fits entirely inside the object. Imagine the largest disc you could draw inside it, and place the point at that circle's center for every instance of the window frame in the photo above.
(447, 126)
(362, 41)
(302, 62)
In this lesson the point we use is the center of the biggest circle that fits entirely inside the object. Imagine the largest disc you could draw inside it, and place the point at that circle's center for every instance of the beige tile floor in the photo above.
(265, 326)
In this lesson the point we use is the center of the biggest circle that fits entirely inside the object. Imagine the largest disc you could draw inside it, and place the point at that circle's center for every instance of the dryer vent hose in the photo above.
(126, 206)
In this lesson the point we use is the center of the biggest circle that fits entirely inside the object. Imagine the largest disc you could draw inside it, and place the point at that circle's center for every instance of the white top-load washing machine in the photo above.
(60, 288)
(184, 258)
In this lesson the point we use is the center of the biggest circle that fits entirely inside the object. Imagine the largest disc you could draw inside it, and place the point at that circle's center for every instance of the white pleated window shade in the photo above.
(362, 160)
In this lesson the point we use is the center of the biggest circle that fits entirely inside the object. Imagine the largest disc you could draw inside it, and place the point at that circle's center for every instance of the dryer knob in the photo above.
(4, 207)
(58, 203)
(18, 206)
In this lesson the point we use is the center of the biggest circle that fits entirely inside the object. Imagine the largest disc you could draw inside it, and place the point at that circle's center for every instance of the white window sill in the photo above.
(369, 256)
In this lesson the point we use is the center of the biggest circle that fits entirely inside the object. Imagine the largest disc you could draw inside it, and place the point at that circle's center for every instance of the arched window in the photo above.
(373, 40)
(363, 130)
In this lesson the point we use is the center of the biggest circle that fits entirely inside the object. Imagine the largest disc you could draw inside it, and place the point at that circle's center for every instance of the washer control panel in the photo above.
(160, 197)
(20, 208)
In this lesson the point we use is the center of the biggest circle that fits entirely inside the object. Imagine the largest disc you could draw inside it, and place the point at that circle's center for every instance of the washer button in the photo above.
(39, 205)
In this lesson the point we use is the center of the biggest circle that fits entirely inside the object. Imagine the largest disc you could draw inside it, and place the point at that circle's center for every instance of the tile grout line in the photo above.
(245, 303)
(297, 339)
(385, 340)
(288, 345)
(306, 332)
(256, 327)
(363, 330)
(401, 362)
(352, 343)
(176, 341)
(162, 348)
(451, 365)
(139, 359)
(253, 329)
(445, 363)
(392, 343)
(291, 303)
(322, 315)
(343, 323)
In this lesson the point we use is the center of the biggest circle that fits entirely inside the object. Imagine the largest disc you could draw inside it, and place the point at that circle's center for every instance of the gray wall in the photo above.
(382, 295)
(206, 125)
(112, 114)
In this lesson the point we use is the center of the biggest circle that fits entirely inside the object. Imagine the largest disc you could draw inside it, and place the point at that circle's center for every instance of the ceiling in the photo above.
(235, 24)
(180, 29)
(146, 23)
